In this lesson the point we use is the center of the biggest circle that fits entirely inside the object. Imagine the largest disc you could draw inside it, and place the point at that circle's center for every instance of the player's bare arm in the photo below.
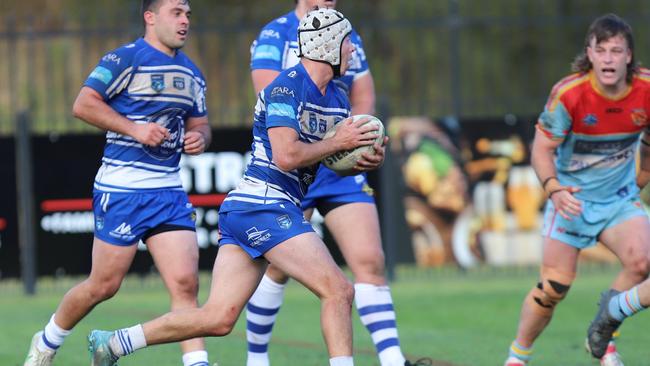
(542, 161)
(262, 78)
(290, 153)
(198, 135)
(91, 108)
(362, 95)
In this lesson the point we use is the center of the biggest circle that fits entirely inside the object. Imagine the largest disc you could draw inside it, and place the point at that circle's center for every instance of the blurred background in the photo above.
(459, 84)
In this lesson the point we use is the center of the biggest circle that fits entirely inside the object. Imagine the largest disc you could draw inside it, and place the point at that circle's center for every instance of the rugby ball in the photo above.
(343, 162)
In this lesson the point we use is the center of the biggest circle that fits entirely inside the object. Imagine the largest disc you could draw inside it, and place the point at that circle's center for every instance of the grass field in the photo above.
(455, 318)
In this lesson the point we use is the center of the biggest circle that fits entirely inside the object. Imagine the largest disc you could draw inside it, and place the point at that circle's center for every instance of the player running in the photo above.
(346, 203)
(583, 153)
(150, 98)
(261, 220)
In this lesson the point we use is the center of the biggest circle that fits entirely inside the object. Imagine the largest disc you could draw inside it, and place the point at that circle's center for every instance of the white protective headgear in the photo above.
(320, 36)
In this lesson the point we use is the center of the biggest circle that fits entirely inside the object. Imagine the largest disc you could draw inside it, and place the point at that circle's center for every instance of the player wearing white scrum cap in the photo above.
(261, 221)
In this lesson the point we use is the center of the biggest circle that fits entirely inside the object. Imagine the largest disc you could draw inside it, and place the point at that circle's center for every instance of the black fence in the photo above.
(446, 57)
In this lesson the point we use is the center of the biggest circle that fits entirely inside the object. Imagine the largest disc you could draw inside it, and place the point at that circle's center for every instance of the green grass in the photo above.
(461, 319)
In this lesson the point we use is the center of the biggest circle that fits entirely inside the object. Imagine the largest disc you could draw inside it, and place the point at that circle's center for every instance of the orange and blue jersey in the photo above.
(599, 134)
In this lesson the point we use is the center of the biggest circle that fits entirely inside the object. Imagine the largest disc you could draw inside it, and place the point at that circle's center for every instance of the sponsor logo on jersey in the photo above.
(282, 90)
(639, 116)
(122, 232)
(179, 83)
(622, 192)
(269, 33)
(256, 237)
(158, 82)
(281, 110)
(282, 20)
(267, 52)
(292, 74)
(102, 74)
(112, 57)
(173, 120)
(284, 221)
(590, 119)
(614, 110)
(306, 178)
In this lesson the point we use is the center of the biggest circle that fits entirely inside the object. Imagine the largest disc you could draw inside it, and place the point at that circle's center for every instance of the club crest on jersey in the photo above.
(158, 82)
(179, 83)
(590, 119)
(284, 221)
(639, 117)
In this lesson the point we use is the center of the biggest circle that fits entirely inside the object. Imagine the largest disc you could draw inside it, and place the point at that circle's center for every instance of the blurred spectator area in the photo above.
(447, 57)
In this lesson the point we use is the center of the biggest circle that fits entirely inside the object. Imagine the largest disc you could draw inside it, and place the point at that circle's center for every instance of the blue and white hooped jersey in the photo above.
(291, 100)
(145, 85)
(276, 48)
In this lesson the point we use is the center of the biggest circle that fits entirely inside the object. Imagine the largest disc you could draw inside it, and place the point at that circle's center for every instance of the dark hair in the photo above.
(153, 5)
(604, 28)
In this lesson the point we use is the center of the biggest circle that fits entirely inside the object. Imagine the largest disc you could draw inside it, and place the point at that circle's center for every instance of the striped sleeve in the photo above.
(112, 73)
(555, 122)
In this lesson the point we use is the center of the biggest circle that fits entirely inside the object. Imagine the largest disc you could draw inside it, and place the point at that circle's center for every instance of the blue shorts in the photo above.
(331, 187)
(260, 229)
(125, 218)
(583, 231)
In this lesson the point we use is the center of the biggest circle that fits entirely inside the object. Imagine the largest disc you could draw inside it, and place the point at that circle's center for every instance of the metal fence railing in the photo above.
(445, 57)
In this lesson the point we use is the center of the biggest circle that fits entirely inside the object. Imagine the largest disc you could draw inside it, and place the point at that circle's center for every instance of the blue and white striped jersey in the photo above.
(145, 85)
(291, 100)
(276, 48)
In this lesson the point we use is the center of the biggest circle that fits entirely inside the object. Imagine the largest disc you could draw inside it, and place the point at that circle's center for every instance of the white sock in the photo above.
(342, 361)
(375, 307)
(128, 340)
(53, 336)
(196, 358)
(261, 312)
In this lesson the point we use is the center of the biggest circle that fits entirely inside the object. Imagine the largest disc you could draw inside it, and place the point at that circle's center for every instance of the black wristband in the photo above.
(547, 180)
(643, 141)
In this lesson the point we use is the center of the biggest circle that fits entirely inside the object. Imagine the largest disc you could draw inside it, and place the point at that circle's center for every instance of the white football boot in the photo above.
(37, 358)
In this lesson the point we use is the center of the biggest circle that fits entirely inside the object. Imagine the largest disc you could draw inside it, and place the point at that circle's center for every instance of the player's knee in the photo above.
(219, 321)
(369, 269)
(185, 285)
(345, 293)
(104, 290)
(550, 291)
(638, 265)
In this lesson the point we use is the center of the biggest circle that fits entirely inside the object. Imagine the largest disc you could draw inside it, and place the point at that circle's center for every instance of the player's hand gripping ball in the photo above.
(343, 162)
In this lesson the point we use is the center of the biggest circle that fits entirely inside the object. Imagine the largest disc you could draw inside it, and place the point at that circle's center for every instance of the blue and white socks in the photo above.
(53, 336)
(375, 307)
(625, 304)
(128, 340)
(261, 312)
